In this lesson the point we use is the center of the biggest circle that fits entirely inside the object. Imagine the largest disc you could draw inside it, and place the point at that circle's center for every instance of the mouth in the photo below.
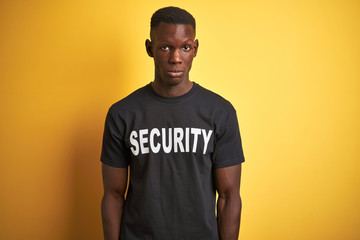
(175, 73)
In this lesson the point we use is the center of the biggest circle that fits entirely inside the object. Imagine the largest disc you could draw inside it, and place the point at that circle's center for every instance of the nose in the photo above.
(175, 56)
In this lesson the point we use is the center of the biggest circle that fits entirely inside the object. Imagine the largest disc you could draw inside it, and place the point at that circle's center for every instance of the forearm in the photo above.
(228, 216)
(111, 211)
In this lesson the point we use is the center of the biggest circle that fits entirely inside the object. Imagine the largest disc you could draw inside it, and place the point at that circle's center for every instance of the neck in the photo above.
(171, 90)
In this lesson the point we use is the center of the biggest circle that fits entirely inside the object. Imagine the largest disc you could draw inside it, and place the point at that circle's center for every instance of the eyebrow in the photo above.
(185, 41)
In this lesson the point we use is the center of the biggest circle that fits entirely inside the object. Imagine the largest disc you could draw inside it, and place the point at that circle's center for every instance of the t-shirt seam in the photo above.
(174, 100)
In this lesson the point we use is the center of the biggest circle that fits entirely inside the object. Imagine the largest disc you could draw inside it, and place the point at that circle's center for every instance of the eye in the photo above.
(187, 47)
(165, 48)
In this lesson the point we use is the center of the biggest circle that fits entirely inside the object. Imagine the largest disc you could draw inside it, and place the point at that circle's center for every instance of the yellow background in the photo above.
(290, 68)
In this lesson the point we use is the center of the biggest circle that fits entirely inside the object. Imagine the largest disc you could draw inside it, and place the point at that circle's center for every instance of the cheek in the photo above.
(188, 58)
(160, 59)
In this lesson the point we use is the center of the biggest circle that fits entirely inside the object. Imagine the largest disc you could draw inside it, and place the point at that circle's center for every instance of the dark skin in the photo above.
(115, 183)
(173, 48)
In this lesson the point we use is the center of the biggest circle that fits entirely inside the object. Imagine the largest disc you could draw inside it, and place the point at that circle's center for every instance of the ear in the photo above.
(149, 49)
(196, 46)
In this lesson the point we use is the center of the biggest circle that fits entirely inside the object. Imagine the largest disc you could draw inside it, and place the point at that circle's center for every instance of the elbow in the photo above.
(113, 197)
(111, 202)
(229, 201)
(230, 195)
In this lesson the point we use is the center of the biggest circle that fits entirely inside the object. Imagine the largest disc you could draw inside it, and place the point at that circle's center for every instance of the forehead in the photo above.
(169, 31)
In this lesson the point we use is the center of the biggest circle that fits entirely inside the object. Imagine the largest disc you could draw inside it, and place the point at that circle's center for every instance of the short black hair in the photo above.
(173, 15)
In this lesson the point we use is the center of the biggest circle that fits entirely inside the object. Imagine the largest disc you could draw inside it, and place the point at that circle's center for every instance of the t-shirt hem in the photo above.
(112, 164)
(229, 163)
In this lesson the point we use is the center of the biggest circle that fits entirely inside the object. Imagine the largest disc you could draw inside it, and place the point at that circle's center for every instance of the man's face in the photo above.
(173, 49)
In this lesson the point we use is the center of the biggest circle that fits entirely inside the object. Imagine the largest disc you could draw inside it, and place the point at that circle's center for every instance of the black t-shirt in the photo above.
(172, 146)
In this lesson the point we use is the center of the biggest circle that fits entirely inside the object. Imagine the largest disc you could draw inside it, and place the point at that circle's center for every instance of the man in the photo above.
(182, 144)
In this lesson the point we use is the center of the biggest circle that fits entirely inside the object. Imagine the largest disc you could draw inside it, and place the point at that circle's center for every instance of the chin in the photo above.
(174, 81)
(178, 82)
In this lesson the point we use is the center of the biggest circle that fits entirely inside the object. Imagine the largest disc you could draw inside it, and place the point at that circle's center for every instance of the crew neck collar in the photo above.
(177, 99)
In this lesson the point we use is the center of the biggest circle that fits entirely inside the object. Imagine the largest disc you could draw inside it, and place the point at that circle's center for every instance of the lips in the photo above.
(175, 73)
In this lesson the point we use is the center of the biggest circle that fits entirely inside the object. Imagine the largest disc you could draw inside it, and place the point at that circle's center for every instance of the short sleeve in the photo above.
(228, 149)
(114, 151)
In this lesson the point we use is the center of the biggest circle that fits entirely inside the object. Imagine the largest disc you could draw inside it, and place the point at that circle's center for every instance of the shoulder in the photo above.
(214, 100)
(131, 102)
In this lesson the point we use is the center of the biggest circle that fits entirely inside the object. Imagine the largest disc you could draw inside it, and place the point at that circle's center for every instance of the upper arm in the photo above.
(227, 180)
(114, 179)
